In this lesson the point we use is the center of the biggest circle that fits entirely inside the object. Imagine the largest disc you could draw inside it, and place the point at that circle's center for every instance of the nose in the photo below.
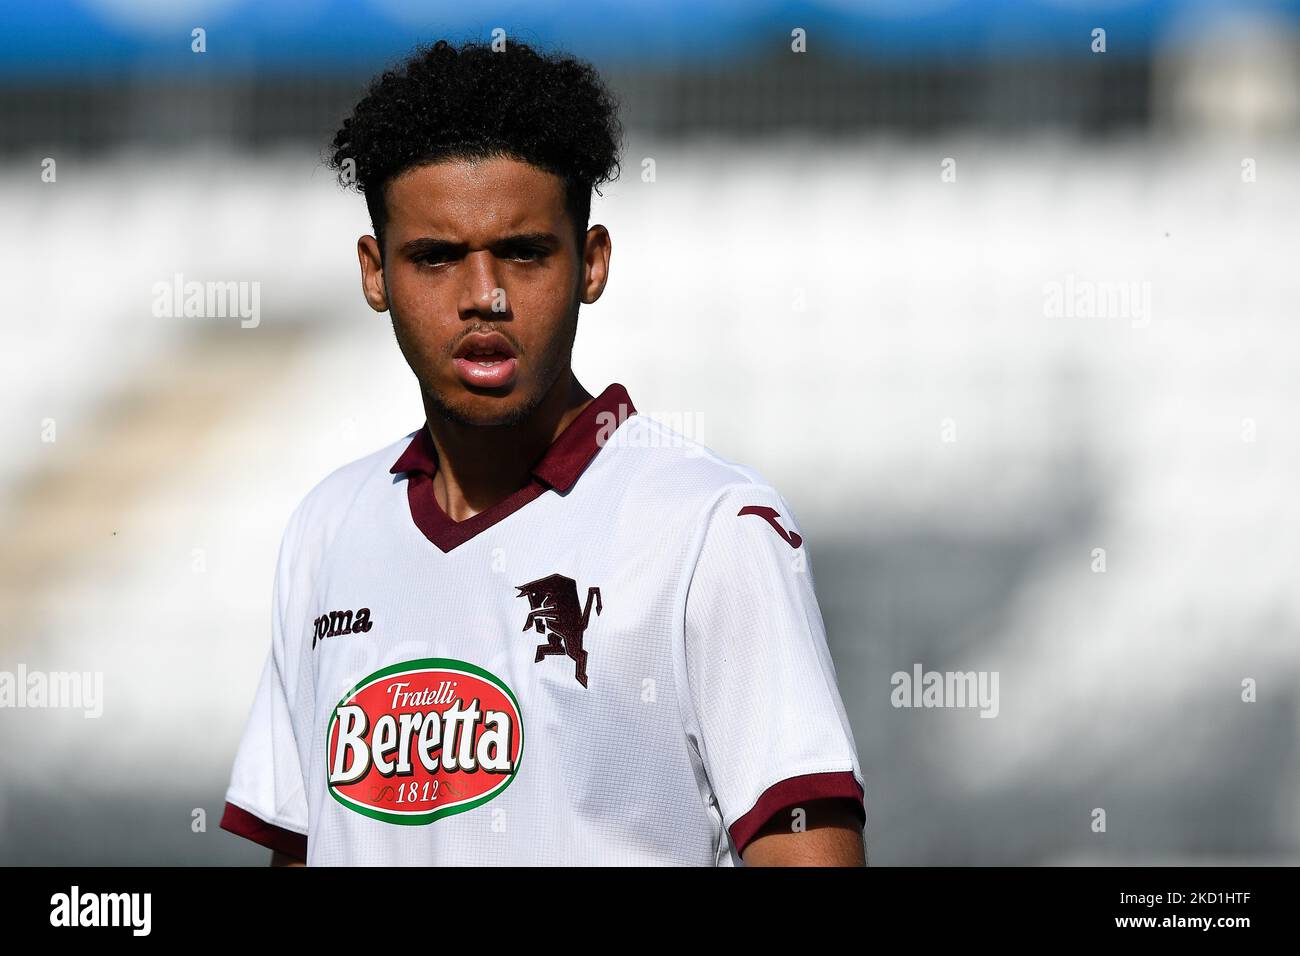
(481, 293)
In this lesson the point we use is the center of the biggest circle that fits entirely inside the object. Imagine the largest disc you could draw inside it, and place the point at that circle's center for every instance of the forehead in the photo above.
(475, 200)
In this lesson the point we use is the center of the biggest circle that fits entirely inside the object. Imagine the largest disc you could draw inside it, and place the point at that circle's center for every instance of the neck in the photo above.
(479, 467)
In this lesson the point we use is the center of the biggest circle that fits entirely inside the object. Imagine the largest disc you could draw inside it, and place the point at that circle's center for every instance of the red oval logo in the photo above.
(421, 740)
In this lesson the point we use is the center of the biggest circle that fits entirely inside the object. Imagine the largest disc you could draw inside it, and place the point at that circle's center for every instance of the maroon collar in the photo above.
(558, 468)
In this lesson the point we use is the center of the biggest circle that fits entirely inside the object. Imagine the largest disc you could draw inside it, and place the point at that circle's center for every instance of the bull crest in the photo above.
(554, 612)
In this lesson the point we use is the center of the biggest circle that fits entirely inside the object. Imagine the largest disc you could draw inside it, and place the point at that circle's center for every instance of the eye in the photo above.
(527, 254)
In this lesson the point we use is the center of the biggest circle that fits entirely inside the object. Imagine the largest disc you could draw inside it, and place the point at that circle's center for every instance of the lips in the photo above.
(484, 346)
(486, 360)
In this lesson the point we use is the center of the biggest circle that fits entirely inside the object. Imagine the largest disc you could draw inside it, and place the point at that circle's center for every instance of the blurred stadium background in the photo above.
(799, 219)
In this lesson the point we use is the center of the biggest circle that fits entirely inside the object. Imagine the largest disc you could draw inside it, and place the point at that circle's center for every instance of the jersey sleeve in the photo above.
(266, 801)
(764, 712)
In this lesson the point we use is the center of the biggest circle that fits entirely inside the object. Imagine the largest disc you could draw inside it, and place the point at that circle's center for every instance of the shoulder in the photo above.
(681, 474)
(322, 511)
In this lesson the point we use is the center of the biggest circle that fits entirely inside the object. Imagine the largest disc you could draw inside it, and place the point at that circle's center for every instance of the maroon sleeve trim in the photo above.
(793, 791)
(242, 823)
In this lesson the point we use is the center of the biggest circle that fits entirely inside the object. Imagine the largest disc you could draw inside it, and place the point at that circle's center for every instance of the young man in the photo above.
(542, 629)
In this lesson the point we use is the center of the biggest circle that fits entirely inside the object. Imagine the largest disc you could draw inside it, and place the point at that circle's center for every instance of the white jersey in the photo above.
(622, 663)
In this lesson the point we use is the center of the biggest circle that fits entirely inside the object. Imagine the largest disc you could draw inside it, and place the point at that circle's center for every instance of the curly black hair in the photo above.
(471, 102)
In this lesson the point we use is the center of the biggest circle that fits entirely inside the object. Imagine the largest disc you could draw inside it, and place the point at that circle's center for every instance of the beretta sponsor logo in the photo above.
(418, 741)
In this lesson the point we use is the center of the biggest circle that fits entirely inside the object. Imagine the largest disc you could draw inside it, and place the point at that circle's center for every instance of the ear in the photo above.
(595, 264)
(372, 273)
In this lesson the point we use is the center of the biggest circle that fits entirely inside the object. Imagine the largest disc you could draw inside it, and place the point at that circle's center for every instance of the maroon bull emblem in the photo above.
(554, 611)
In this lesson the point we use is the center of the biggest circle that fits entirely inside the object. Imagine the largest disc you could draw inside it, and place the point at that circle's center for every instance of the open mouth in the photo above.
(485, 360)
(484, 348)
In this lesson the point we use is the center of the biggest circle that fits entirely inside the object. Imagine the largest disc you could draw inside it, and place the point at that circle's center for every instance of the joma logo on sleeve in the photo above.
(770, 515)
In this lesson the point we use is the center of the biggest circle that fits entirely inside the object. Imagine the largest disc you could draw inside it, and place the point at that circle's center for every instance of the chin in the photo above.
(483, 409)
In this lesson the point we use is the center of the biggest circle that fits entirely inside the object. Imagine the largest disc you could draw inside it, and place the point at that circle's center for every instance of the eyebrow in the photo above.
(428, 244)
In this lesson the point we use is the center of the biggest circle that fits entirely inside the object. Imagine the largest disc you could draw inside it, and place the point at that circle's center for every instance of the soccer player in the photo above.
(542, 628)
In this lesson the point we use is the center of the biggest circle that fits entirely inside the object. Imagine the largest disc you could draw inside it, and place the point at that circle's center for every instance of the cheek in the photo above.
(542, 308)
(422, 309)
(407, 288)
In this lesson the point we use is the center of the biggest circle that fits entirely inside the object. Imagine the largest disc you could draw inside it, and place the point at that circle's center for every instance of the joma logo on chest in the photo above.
(334, 623)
